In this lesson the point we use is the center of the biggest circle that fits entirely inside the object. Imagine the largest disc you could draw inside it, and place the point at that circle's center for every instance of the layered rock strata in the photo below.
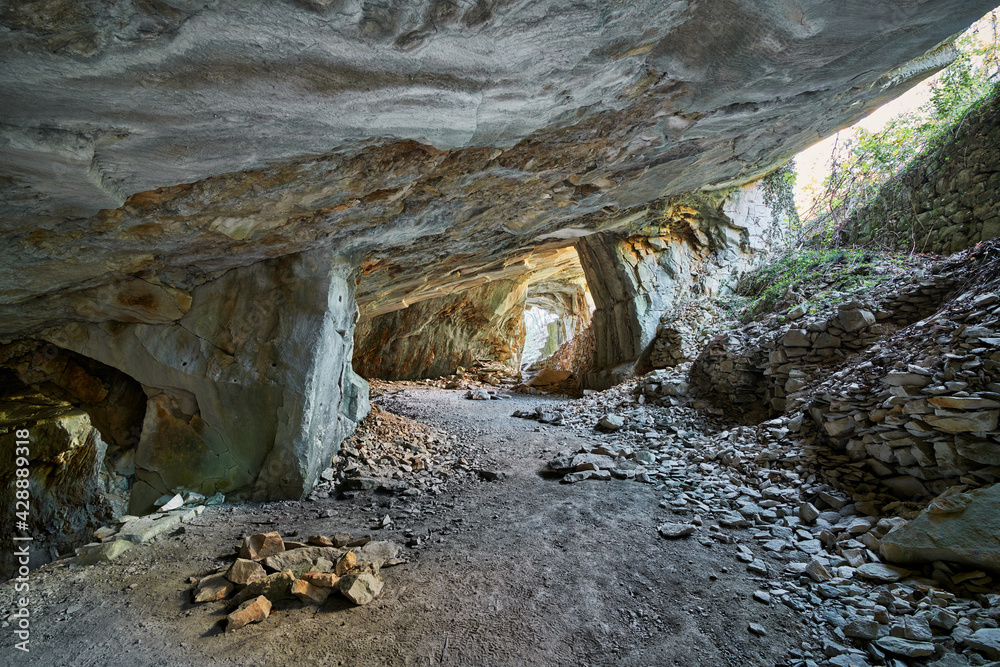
(434, 337)
(691, 249)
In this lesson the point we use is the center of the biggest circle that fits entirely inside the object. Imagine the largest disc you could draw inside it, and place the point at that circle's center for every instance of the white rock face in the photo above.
(252, 388)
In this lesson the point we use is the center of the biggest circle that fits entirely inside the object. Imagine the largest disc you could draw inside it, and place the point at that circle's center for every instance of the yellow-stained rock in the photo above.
(308, 593)
(251, 611)
(321, 579)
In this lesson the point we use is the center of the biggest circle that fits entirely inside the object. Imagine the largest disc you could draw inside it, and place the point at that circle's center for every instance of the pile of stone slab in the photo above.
(392, 454)
(269, 569)
(683, 333)
(601, 463)
(865, 568)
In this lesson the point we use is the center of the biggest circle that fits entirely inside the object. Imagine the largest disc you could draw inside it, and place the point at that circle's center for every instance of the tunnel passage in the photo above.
(84, 419)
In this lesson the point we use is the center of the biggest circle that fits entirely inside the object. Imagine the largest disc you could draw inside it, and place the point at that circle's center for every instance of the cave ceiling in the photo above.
(149, 146)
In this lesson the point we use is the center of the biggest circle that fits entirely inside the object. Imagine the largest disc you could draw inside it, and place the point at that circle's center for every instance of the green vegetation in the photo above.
(865, 163)
(779, 193)
(812, 277)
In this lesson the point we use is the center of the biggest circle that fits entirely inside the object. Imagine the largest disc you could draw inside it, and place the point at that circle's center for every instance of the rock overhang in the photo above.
(405, 135)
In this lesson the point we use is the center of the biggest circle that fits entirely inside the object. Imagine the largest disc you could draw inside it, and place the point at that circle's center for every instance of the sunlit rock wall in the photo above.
(432, 338)
(686, 249)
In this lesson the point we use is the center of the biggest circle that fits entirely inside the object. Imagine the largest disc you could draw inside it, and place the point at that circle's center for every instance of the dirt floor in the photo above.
(520, 571)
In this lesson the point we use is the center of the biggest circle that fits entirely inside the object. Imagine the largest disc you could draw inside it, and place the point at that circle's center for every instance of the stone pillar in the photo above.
(433, 337)
(251, 390)
(688, 249)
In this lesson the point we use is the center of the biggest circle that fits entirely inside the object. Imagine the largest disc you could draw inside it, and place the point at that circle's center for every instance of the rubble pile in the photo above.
(823, 547)
(482, 374)
(575, 355)
(683, 333)
(269, 569)
(393, 454)
(753, 370)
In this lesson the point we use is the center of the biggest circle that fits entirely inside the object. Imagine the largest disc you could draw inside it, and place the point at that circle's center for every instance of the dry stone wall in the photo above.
(904, 382)
(948, 201)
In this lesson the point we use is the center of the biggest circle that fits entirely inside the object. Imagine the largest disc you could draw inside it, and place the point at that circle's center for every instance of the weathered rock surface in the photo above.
(250, 388)
(968, 536)
(660, 99)
(251, 611)
(435, 337)
(424, 150)
(360, 588)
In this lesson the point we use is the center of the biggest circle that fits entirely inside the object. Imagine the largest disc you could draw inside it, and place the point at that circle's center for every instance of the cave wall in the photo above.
(69, 492)
(114, 402)
(689, 249)
(948, 200)
(432, 338)
(250, 390)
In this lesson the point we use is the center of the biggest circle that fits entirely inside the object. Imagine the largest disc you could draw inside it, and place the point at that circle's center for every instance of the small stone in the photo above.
(360, 588)
(168, 503)
(244, 570)
(321, 579)
(213, 587)
(986, 640)
(862, 628)
(881, 572)
(856, 319)
(808, 512)
(342, 540)
(308, 593)
(574, 477)
(251, 611)
(817, 571)
(320, 541)
(757, 629)
(345, 564)
(277, 586)
(104, 531)
(261, 545)
(611, 422)
(757, 567)
(762, 596)
(676, 530)
(733, 520)
(916, 627)
(104, 552)
(942, 618)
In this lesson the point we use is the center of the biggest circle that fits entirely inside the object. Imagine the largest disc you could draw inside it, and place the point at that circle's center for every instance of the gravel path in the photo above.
(520, 571)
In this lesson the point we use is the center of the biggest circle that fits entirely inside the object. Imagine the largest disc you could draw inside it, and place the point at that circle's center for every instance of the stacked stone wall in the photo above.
(904, 382)
(948, 201)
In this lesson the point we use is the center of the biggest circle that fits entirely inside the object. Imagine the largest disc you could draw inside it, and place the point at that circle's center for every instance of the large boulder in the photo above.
(961, 529)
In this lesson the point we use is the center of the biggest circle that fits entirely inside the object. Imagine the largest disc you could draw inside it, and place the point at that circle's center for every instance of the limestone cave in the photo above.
(485, 332)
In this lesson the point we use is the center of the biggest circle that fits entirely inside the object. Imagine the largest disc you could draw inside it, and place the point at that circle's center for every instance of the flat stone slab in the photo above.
(146, 528)
(968, 536)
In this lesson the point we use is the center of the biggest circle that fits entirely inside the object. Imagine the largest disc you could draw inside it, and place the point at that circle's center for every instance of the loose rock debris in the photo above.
(270, 569)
